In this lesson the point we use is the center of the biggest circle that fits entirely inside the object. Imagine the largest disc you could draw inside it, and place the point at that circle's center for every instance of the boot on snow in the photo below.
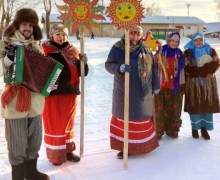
(18, 172)
(205, 133)
(195, 134)
(31, 172)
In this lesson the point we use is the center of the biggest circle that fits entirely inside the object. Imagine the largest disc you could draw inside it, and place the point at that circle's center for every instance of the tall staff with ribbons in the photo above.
(126, 14)
(78, 15)
(155, 45)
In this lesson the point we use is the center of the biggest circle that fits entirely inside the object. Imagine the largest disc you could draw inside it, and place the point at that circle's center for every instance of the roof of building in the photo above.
(165, 20)
(212, 27)
(148, 19)
(172, 20)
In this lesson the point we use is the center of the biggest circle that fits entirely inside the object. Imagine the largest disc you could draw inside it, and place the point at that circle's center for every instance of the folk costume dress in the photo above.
(141, 135)
(60, 106)
(168, 102)
(201, 96)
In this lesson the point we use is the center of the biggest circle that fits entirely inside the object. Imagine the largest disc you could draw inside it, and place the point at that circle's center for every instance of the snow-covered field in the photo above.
(175, 159)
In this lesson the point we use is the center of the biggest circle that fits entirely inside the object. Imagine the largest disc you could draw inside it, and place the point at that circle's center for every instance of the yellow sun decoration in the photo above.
(80, 12)
(125, 14)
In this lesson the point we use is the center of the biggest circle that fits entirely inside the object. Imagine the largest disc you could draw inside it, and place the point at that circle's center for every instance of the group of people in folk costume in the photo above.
(167, 75)
(23, 109)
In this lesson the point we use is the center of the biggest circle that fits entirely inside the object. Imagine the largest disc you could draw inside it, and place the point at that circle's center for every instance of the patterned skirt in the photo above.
(168, 107)
(141, 136)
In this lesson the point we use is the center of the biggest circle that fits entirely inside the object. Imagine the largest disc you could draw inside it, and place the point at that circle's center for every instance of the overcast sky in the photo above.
(203, 9)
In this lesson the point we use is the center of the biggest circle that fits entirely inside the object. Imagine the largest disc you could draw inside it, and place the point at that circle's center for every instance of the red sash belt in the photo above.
(23, 102)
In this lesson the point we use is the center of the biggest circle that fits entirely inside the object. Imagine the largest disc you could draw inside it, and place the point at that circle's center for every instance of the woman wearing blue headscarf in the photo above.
(201, 95)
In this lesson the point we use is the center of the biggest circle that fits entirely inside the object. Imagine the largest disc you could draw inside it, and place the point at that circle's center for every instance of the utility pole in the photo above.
(188, 5)
(102, 22)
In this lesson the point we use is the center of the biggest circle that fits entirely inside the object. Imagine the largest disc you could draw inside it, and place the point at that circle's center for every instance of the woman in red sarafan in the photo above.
(143, 82)
(59, 117)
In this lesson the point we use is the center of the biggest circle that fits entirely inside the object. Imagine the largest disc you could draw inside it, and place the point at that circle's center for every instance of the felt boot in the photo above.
(195, 134)
(31, 171)
(205, 133)
(120, 155)
(72, 157)
(172, 135)
(18, 172)
(57, 164)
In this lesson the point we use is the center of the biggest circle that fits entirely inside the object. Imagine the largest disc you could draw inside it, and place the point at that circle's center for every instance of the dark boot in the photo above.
(32, 172)
(57, 164)
(172, 135)
(195, 134)
(205, 134)
(72, 157)
(18, 172)
(159, 138)
(120, 155)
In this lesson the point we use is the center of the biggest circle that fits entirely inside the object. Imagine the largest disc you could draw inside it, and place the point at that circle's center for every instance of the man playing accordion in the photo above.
(21, 107)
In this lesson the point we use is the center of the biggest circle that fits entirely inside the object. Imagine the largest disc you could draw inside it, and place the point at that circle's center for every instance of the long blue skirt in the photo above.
(202, 120)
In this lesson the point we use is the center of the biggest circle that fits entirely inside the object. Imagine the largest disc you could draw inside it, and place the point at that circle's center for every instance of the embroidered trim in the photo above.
(135, 141)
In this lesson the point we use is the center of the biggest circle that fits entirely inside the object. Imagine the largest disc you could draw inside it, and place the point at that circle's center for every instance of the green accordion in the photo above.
(34, 70)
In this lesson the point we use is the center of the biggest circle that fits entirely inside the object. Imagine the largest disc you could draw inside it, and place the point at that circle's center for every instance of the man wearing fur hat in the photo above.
(21, 107)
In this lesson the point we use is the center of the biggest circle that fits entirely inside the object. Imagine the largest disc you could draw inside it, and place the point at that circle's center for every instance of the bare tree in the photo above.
(217, 9)
(6, 13)
(47, 7)
(8, 9)
(1, 20)
(152, 10)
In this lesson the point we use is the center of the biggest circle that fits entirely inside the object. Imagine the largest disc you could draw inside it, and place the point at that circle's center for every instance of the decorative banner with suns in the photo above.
(125, 13)
(80, 12)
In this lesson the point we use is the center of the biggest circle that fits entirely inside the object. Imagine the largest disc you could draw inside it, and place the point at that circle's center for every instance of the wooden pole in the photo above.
(82, 92)
(154, 114)
(126, 101)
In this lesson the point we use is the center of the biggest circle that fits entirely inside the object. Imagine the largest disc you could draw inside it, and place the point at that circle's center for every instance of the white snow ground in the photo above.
(175, 159)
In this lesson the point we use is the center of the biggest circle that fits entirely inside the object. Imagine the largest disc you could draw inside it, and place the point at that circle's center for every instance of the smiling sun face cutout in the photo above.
(125, 11)
(125, 14)
(81, 12)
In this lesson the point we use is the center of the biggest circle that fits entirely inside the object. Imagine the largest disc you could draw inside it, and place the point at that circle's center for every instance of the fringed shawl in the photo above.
(179, 64)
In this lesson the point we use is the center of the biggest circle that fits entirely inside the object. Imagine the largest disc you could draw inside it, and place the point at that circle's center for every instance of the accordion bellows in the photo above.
(34, 70)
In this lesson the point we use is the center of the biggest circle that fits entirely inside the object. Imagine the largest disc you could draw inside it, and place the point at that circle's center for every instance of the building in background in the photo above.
(212, 30)
(160, 26)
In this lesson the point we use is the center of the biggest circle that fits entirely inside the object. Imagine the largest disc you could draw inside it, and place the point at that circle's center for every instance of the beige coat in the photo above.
(37, 100)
